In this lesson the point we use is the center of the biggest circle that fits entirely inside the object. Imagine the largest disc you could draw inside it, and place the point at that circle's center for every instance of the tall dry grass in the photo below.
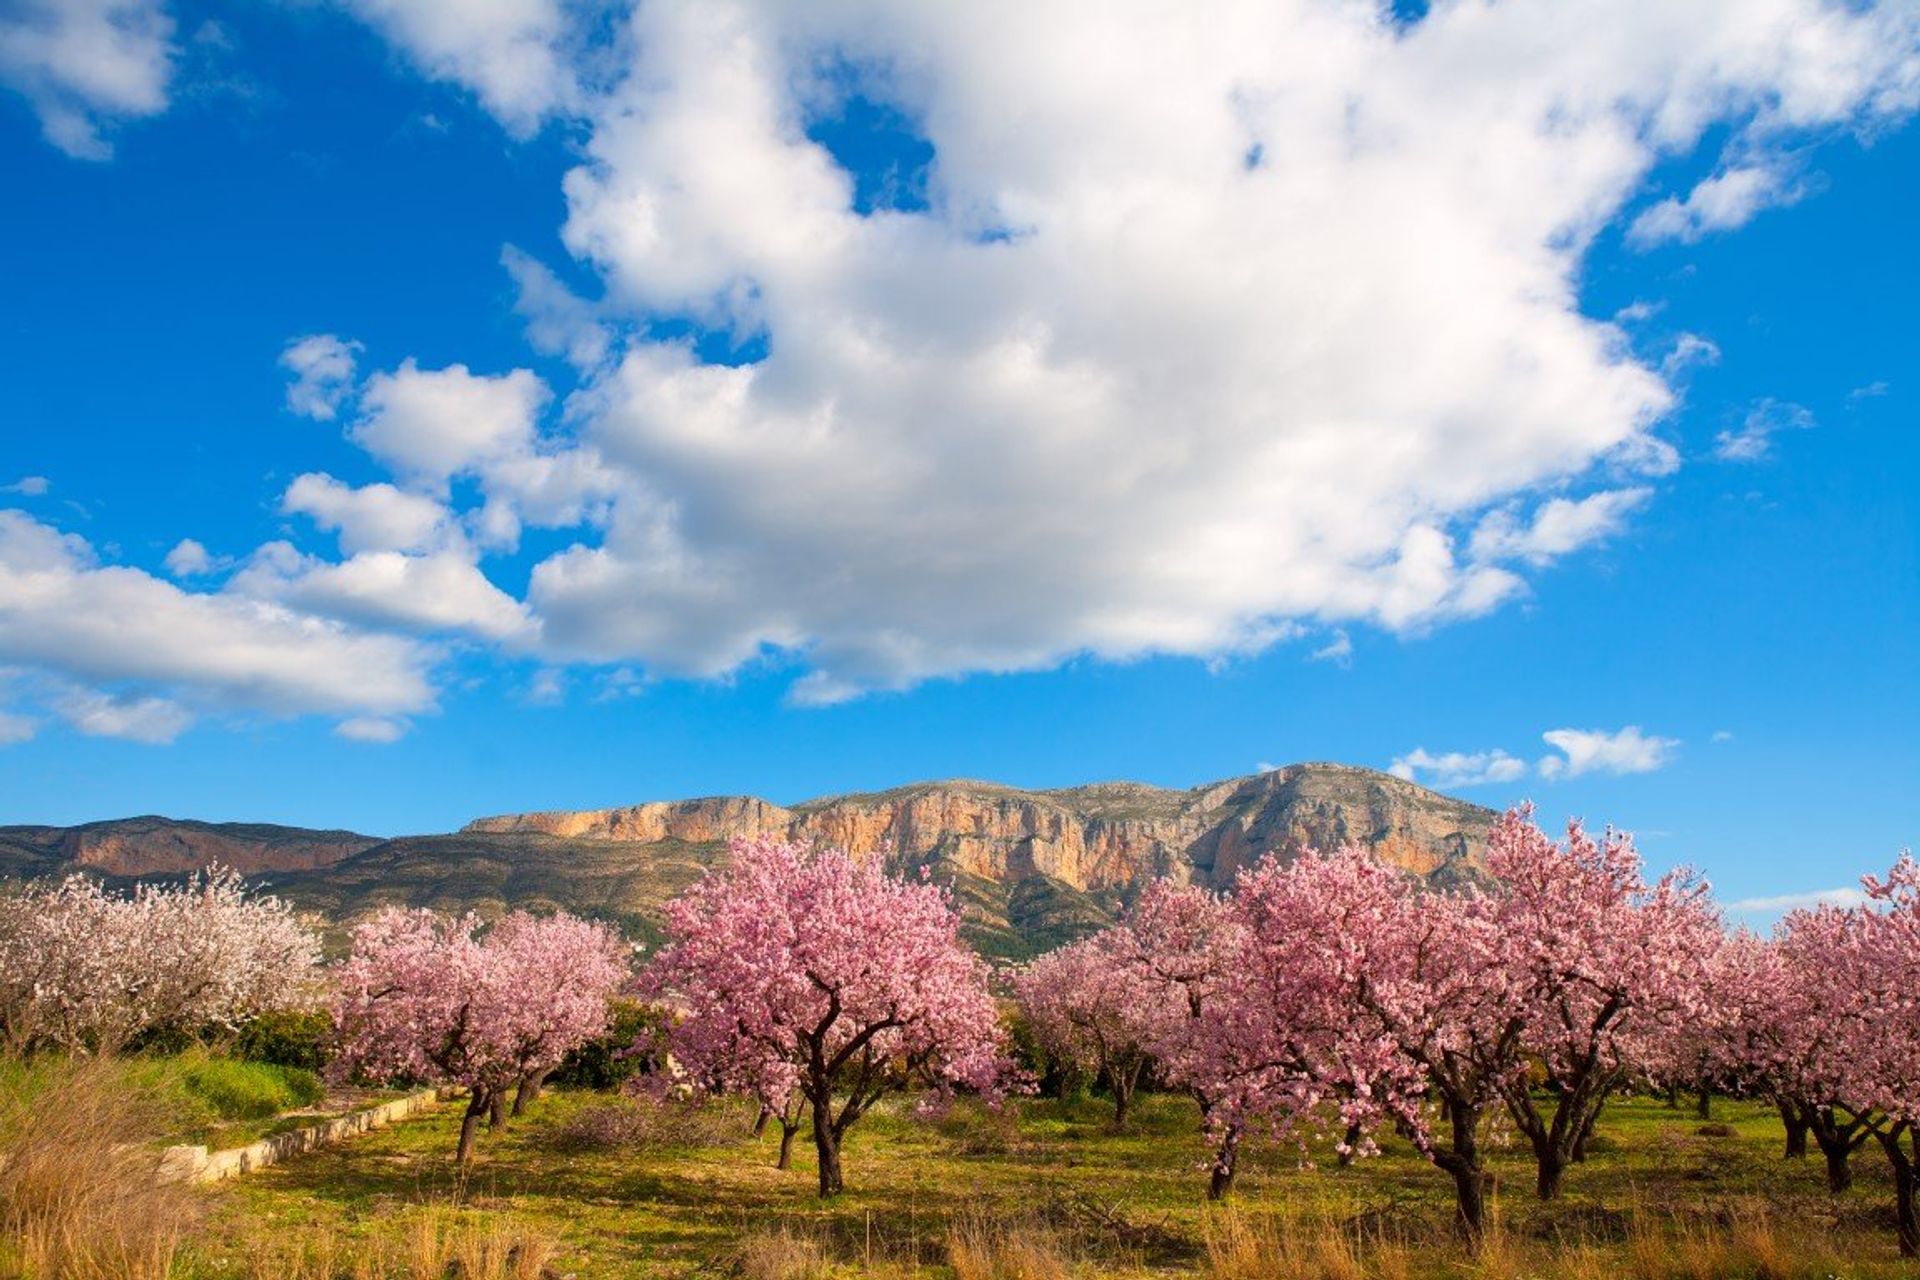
(433, 1243)
(79, 1199)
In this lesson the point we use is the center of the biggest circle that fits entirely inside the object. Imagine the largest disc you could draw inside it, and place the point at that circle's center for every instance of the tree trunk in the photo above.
(477, 1106)
(1906, 1223)
(1225, 1163)
(497, 1110)
(760, 1121)
(786, 1144)
(1796, 1126)
(1462, 1160)
(1348, 1142)
(1673, 1095)
(826, 1144)
(1580, 1139)
(1124, 1079)
(1839, 1169)
(1703, 1106)
(528, 1091)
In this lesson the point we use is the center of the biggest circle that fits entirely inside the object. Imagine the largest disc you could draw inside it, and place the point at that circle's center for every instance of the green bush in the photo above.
(605, 1062)
(288, 1038)
(238, 1090)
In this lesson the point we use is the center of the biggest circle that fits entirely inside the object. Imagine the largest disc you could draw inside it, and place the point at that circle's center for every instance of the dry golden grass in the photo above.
(436, 1242)
(79, 1199)
(980, 1247)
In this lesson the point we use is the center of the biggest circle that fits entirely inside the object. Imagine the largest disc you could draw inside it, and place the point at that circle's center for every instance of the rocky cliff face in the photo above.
(1095, 838)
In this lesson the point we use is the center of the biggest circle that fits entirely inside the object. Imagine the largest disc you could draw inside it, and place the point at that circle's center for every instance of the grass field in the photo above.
(1044, 1189)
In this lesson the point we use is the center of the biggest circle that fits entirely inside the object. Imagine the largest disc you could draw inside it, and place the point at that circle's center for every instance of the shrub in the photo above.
(288, 1038)
(608, 1061)
(640, 1123)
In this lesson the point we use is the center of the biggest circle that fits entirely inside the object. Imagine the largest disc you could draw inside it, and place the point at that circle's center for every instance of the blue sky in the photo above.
(884, 413)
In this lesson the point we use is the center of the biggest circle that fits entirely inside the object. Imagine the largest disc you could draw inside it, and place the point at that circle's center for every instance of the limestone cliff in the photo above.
(1095, 838)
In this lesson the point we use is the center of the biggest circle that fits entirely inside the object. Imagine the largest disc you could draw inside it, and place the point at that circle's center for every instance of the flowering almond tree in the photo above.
(1179, 947)
(1605, 971)
(804, 964)
(85, 970)
(1860, 968)
(428, 997)
(1386, 998)
(1087, 1010)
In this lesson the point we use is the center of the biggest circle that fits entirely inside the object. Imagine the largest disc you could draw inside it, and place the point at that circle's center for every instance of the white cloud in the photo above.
(443, 591)
(1723, 735)
(1558, 527)
(28, 486)
(1871, 391)
(1719, 203)
(374, 517)
(432, 424)
(87, 65)
(1117, 390)
(1689, 350)
(189, 559)
(1627, 750)
(370, 729)
(64, 613)
(1457, 768)
(506, 51)
(559, 321)
(16, 728)
(152, 720)
(1338, 650)
(1753, 441)
(322, 367)
(1843, 897)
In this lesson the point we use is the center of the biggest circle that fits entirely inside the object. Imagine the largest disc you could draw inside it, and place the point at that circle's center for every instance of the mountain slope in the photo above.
(1030, 868)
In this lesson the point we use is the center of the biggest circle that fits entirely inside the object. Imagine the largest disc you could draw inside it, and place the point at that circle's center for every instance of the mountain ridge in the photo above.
(1029, 867)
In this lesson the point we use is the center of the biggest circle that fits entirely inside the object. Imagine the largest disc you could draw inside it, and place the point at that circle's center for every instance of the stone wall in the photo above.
(197, 1164)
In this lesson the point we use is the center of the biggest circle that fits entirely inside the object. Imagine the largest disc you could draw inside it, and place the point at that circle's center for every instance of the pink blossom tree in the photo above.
(1605, 972)
(814, 964)
(86, 970)
(1386, 998)
(1178, 948)
(1858, 970)
(1087, 1011)
(431, 998)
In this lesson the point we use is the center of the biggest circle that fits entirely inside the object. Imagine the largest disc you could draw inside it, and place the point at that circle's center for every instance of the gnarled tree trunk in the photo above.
(478, 1105)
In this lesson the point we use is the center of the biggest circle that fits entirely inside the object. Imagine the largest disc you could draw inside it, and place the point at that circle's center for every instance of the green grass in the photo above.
(196, 1096)
(1657, 1199)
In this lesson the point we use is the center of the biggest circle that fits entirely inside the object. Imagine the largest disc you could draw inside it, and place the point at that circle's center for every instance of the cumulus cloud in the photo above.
(189, 559)
(1556, 527)
(97, 625)
(151, 720)
(1719, 203)
(443, 591)
(1842, 897)
(1458, 768)
(374, 517)
(508, 52)
(1752, 441)
(1583, 751)
(1223, 332)
(322, 367)
(86, 66)
(28, 486)
(432, 424)
(1689, 350)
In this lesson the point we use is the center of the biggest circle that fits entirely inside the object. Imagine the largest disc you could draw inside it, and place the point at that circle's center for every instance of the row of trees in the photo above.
(1334, 989)
(1325, 990)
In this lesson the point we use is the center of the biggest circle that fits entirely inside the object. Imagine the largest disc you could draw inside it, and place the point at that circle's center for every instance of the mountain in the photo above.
(1031, 868)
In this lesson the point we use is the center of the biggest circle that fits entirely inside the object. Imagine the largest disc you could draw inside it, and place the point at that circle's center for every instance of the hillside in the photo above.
(1031, 868)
